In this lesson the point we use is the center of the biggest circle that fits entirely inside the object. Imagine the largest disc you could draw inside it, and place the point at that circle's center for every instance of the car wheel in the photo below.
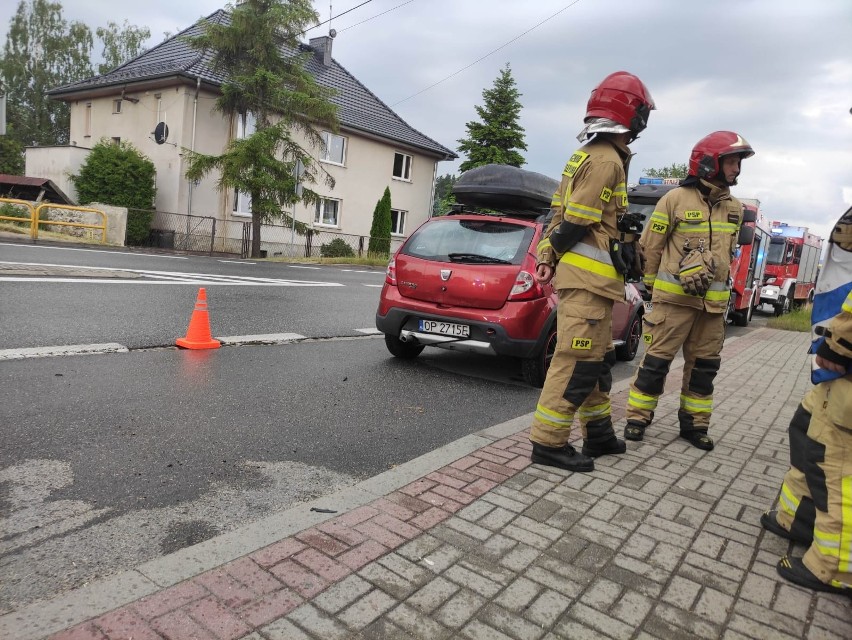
(535, 368)
(781, 306)
(402, 349)
(627, 351)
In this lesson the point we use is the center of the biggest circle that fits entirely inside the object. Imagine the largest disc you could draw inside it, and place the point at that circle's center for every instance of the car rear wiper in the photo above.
(477, 258)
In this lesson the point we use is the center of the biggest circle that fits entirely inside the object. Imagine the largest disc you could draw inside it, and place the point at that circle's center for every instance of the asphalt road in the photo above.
(111, 460)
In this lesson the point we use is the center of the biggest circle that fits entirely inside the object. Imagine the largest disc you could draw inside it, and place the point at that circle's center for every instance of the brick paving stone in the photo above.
(283, 629)
(366, 552)
(682, 592)
(477, 630)
(416, 624)
(461, 607)
(757, 630)
(600, 621)
(343, 533)
(774, 619)
(714, 606)
(441, 558)
(228, 589)
(217, 617)
(411, 503)
(632, 608)
(318, 623)
(694, 624)
(275, 553)
(569, 629)
(306, 583)
(433, 594)
(468, 529)
(125, 623)
(179, 625)
(366, 609)
(463, 576)
(170, 599)
(520, 557)
(429, 518)
(632, 581)
(518, 595)
(322, 541)
(81, 632)
(251, 575)
(379, 534)
(269, 607)
(387, 580)
(601, 594)
(342, 594)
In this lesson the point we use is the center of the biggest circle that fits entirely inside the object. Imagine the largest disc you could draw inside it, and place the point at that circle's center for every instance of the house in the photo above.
(163, 103)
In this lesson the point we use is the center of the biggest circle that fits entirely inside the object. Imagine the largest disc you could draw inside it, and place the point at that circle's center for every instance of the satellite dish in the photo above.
(161, 132)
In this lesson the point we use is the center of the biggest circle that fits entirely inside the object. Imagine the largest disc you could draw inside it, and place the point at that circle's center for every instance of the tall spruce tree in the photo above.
(380, 231)
(498, 137)
(258, 53)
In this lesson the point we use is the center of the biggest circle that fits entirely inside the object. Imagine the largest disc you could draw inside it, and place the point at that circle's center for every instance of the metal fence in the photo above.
(205, 234)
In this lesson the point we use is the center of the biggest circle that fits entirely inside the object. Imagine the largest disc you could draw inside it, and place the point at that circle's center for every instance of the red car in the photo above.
(465, 281)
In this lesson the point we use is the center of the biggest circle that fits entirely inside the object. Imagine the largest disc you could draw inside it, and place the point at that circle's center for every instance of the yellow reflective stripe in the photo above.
(544, 243)
(556, 200)
(690, 271)
(845, 551)
(696, 405)
(659, 216)
(649, 278)
(699, 227)
(598, 411)
(591, 265)
(718, 291)
(620, 189)
(642, 401)
(725, 226)
(847, 304)
(553, 418)
(788, 501)
(582, 211)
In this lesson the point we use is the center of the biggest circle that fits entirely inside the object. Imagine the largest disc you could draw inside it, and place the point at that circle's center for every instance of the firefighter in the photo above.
(688, 245)
(815, 505)
(577, 251)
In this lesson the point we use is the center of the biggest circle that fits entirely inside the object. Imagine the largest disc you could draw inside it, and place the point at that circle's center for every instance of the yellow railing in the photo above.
(35, 220)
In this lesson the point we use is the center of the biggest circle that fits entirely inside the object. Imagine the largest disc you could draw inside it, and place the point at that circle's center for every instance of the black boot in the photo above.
(600, 439)
(612, 446)
(565, 457)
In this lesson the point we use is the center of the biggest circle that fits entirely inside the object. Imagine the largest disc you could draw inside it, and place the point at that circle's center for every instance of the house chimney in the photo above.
(322, 48)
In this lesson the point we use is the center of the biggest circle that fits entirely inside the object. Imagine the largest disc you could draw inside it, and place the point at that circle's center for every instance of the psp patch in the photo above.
(606, 194)
(581, 343)
(647, 338)
(693, 215)
(574, 163)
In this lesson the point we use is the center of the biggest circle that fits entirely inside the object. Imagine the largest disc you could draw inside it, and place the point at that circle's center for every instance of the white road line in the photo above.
(370, 331)
(378, 286)
(63, 350)
(268, 338)
(236, 262)
(299, 266)
(115, 253)
(380, 273)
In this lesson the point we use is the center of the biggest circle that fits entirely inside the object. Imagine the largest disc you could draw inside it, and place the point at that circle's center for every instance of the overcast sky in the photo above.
(779, 72)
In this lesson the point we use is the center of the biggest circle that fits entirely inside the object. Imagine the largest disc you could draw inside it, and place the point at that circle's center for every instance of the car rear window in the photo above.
(479, 241)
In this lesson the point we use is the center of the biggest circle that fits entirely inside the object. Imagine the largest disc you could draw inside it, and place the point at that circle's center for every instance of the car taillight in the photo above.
(526, 287)
(390, 274)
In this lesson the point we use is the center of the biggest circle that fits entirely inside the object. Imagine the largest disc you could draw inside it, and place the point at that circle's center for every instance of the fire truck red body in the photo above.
(747, 267)
(792, 263)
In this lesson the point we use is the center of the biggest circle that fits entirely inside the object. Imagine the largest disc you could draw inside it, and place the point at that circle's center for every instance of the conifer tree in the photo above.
(497, 138)
(380, 232)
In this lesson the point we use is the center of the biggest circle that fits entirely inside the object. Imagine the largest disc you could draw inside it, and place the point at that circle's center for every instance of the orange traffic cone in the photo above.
(198, 334)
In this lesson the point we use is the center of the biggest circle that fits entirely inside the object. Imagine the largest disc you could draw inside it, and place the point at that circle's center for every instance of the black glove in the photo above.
(697, 269)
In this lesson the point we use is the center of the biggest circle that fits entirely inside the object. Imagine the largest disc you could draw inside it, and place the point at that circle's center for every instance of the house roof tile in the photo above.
(358, 107)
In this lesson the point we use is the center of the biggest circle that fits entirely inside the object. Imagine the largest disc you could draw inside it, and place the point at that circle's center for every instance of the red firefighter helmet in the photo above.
(704, 161)
(623, 98)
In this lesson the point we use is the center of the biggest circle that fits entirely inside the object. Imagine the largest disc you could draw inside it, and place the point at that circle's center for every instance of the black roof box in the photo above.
(648, 193)
(503, 187)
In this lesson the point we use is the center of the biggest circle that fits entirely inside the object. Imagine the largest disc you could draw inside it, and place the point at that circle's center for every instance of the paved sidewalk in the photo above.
(471, 541)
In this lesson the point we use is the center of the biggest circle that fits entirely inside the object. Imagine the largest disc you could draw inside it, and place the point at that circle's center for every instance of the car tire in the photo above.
(627, 351)
(534, 368)
(783, 306)
(400, 349)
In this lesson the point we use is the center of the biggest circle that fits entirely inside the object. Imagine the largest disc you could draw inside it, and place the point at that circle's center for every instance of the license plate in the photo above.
(649, 306)
(445, 328)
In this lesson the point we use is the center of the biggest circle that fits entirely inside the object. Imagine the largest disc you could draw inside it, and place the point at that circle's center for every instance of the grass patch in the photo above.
(796, 320)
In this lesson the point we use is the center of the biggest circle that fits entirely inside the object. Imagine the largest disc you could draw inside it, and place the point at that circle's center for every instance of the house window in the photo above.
(116, 140)
(397, 222)
(246, 125)
(87, 124)
(116, 106)
(327, 212)
(402, 166)
(335, 148)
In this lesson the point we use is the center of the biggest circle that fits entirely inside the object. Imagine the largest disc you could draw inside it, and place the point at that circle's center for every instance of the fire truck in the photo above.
(792, 264)
(748, 262)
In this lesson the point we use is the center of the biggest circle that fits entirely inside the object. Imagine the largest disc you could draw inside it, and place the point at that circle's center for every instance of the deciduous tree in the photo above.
(676, 170)
(497, 138)
(259, 54)
(121, 43)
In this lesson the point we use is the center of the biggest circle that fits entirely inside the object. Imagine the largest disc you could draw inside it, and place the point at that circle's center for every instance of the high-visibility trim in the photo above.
(544, 243)
(642, 401)
(597, 411)
(553, 418)
(696, 405)
(718, 291)
(659, 216)
(847, 304)
(582, 211)
(574, 162)
(728, 227)
(788, 501)
(592, 260)
(556, 200)
(649, 279)
(696, 227)
(845, 542)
